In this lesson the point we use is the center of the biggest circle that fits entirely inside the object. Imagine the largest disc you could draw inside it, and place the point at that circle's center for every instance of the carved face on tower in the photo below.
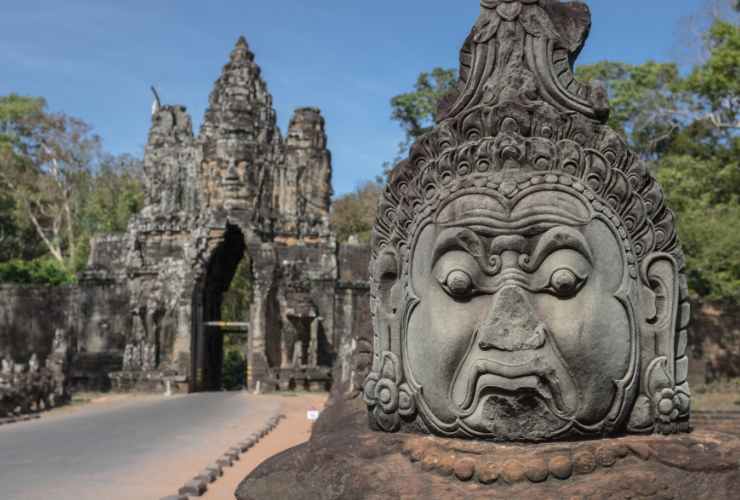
(525, 275)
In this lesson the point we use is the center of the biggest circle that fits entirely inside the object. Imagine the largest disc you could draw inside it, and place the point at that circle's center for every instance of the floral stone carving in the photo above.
(527, 281)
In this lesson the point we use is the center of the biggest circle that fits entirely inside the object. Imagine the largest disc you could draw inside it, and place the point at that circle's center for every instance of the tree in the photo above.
(43, 156)
(57, 186)
(354, 213)
(716, 83)
(416, 110)
(105, 200)
(647, 107)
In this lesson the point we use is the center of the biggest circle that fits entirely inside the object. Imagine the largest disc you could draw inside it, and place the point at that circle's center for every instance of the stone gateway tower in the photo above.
(238, 190)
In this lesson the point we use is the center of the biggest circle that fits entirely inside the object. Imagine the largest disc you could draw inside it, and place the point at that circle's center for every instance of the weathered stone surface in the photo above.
(344, 459)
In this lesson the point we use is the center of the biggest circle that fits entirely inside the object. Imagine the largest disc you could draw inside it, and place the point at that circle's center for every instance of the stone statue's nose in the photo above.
(511, 323)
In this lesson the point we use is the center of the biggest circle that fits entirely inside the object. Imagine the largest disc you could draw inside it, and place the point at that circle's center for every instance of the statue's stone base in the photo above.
(345, 460)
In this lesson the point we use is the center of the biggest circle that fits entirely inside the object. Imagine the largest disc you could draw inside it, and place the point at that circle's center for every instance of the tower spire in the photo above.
(241, 52)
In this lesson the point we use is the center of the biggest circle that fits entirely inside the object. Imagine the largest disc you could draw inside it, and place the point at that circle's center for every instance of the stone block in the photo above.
(207, 475)
(194, 488)
(216, 468)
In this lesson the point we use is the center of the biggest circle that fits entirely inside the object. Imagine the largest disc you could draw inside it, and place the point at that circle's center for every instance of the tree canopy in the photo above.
(58, 188)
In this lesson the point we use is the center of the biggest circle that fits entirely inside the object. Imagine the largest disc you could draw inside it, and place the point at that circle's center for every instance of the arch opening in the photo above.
(221, 316)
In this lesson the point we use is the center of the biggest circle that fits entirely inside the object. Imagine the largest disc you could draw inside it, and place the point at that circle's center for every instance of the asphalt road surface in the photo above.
(136, 449)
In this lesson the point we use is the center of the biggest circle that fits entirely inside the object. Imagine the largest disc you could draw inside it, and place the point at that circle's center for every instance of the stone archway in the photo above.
(207, 349)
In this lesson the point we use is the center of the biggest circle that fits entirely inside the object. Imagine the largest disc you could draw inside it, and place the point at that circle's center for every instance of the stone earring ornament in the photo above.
(527, 281)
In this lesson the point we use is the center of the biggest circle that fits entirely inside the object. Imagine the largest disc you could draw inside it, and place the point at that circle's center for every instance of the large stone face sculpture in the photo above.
(527, 285)
(526, 276)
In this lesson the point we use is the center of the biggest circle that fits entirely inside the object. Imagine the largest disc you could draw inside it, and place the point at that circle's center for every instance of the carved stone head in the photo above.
(527, 282)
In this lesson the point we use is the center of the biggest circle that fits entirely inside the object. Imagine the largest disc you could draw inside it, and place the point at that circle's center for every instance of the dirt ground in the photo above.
(717, 396)
(292, 431)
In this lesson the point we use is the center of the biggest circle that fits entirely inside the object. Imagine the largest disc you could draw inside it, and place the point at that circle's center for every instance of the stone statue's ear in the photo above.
(659, 297)
(657, 406)
(386, 274)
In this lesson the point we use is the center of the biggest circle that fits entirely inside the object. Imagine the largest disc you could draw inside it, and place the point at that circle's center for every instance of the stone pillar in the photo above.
(313, 346)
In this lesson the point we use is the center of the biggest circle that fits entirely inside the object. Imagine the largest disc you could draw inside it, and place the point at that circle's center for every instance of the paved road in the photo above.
(140, 449)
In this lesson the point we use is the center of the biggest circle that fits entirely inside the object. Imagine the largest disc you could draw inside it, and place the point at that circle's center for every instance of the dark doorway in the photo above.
(221, 300)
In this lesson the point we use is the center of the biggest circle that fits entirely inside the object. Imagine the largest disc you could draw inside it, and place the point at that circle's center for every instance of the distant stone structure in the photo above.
(236, 190)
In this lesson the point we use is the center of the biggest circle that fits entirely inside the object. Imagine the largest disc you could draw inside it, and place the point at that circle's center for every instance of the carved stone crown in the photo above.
(519, 116)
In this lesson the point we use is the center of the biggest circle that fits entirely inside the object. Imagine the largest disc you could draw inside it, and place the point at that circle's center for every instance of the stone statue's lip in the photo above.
(532, 374)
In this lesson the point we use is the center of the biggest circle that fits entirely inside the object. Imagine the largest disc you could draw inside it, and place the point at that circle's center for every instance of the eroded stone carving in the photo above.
(527, 281)
(33, 387)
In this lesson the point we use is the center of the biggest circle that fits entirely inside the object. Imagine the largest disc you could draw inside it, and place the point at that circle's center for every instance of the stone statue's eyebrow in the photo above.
(558, 238)
(458, 239)
(466, 240)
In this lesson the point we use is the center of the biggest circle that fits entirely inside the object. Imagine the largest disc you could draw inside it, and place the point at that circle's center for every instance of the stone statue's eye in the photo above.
(459, 283)
(565, 283)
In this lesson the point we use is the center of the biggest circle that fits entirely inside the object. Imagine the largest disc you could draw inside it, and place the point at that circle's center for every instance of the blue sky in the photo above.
(95, 59)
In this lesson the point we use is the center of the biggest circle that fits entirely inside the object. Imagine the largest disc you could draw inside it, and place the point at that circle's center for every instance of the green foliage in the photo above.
(354, 213)
(57, 187)
(43, 157)
(106, 200)
(705, 194)
(18, 117)
(415, 110)
(233, 370)
(18, 239)
(644, 100)
(238, 298)
(44, 271)
(718, 80)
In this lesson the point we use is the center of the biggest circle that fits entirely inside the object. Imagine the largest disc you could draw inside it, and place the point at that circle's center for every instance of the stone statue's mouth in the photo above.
(485, 375)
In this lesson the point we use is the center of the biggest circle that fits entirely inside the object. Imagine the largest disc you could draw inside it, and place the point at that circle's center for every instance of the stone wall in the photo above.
(29, 316)
(715, 341)
(352, 319)
(93, 315)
